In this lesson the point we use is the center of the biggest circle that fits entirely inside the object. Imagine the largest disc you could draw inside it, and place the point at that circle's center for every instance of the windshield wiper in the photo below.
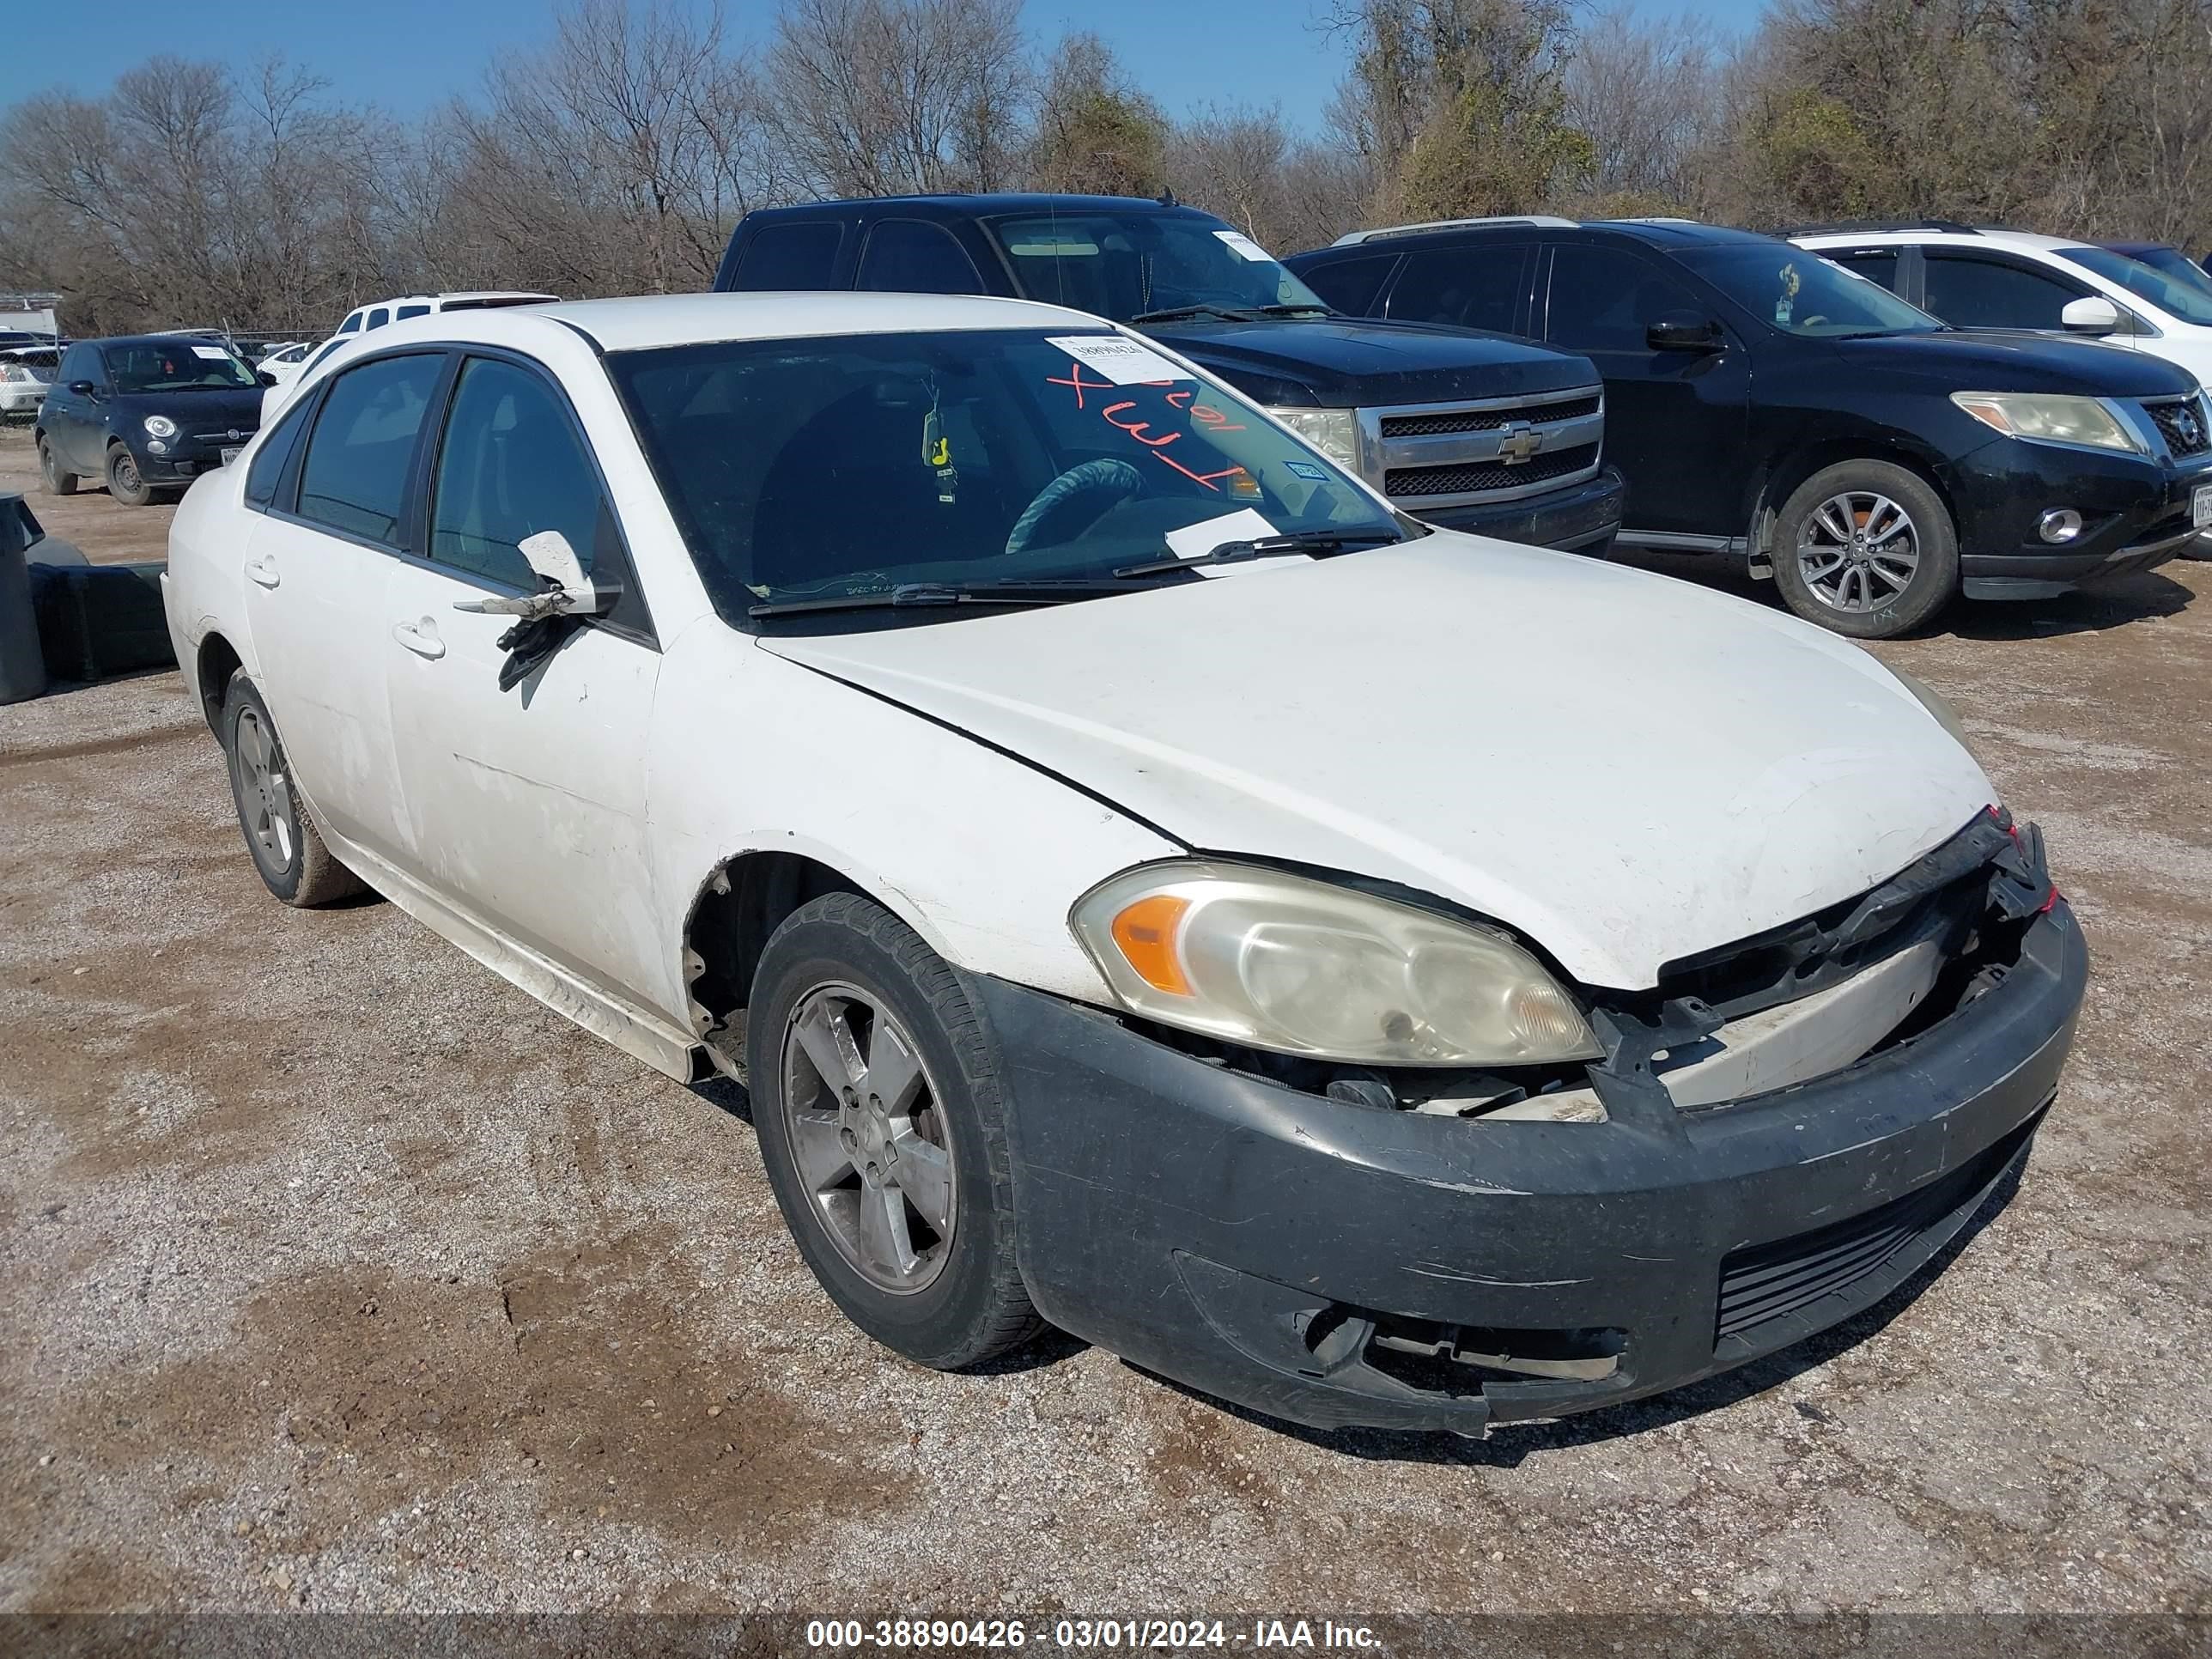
(1297, 311)
(1318, 544)
(1184, 313)
(1043, 590)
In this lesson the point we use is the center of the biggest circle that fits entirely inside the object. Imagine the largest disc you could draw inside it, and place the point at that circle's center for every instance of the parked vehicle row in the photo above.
(1774, 407)
(1145, 879)
(25, 373)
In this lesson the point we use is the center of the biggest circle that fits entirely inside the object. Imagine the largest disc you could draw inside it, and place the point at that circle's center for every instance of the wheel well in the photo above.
(217, 663)
(740, 908)
(1792, 470)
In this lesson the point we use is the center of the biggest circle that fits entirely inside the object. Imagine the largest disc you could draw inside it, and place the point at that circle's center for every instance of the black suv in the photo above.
(1766, 404)
(146, 413)
(1491, 436)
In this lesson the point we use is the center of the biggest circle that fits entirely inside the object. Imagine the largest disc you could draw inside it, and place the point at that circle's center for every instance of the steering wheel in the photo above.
(1116, 479)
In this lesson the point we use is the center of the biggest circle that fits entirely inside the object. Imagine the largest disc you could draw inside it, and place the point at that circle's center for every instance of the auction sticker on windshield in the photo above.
(1122, 362)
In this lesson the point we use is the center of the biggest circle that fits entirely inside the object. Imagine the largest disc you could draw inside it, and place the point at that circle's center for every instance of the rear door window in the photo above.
(1350, 285)
(1876, 264)
(1972, 290)
(800, 256)
(354, 477)
(910, 256)
(1468, 287)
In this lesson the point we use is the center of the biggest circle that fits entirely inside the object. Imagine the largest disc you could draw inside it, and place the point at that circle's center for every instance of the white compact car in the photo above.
(1370, 973)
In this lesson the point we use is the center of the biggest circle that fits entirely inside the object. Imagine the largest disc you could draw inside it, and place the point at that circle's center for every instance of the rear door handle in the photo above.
(422, 638)
(262, 570)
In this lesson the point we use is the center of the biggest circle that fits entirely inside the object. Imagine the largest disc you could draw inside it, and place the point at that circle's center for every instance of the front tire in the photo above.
(1866, 549)
(125, 482)
(280, 832)
(882, 1123)
(58, 482)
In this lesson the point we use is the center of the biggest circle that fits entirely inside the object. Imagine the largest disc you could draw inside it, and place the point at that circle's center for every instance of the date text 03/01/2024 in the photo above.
(1086, 1634)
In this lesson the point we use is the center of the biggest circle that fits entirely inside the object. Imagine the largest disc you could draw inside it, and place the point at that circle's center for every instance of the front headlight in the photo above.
(1301, 967)
(1335, 432)
(2043, 417)
(160, 426)
(1938, 705)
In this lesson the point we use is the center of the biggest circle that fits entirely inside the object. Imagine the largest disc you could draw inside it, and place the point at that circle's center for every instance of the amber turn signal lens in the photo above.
(1145, 934)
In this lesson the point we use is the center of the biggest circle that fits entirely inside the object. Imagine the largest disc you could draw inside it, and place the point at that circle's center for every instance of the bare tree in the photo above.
(1094, 131)
(1646, 93)
(879, 97)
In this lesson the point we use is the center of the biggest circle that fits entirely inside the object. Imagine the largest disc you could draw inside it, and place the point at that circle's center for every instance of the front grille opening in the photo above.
(1769, 1282)
(1458, 1360)
(1473, 477)
(1487, 420)
(2182, 424)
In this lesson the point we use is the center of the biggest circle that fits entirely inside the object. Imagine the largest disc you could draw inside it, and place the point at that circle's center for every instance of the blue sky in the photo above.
(410, 54)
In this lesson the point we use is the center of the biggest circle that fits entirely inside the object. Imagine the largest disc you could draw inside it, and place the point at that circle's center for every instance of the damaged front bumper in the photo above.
(1334, 1265)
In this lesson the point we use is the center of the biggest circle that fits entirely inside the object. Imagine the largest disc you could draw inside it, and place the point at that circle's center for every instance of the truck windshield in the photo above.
(857, 465)
(2175, 297)
(1802, 293)
(1128, 265)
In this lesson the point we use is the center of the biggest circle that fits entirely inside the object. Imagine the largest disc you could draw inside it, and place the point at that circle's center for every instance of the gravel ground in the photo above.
(105, 531)
(336, 1273)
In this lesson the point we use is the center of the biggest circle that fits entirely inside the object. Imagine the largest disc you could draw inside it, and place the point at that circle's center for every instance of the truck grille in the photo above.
(1487, 420)
(2182, 423)
(1492, 449)
(1415, 483)
(1772, 1281)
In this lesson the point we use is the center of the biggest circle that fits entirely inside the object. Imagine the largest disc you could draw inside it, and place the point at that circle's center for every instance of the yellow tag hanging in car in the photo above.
(937, 454)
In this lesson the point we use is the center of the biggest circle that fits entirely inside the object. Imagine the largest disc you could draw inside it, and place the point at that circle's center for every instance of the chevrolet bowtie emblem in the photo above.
(1518, 443)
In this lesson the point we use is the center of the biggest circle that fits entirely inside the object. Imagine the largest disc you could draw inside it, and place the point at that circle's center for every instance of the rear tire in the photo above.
(125, 482)
(848, 1000)
(1866, 549)
(280, 832)
(58, 482)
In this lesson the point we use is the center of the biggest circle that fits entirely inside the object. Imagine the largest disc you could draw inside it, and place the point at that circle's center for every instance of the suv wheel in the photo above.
(1866, 549)
(58, 482)
(882, 1126)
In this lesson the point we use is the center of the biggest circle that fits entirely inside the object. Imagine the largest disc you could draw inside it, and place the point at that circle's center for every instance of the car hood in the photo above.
(1346, 362)
(1625, 768)
(213, 410)
(1969, 359)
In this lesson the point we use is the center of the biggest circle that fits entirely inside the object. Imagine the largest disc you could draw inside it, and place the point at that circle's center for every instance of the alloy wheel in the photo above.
(265, 794)
(867, 1137)
(1858, 551)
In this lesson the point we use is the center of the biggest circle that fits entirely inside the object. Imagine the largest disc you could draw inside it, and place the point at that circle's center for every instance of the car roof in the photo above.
(957, 205)
(174, 337)
(678, 319)
(2028, 241)
(1666, 233)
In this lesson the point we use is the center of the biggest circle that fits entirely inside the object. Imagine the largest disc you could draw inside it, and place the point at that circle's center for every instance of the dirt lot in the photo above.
(336, 1273)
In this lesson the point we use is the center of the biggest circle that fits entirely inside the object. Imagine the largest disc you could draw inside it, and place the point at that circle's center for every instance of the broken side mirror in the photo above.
(1684, 330)
(563, 588)
(2093, 313)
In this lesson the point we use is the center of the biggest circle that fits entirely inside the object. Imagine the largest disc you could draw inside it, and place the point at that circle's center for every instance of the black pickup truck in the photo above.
(1467, 431)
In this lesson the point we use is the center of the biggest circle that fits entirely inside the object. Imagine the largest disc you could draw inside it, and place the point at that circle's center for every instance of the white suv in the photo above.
(2015, 279)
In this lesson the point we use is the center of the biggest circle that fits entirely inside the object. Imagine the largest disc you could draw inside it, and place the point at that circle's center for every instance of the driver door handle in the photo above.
(420, 637)
(262, 570)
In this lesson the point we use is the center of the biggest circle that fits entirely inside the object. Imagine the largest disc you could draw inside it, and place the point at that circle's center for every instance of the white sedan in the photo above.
(1373, 974)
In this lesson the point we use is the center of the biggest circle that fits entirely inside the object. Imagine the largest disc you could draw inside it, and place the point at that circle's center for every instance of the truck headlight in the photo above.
(160, 426)
(1301, 967)
(1335, 432)
(2046, 417)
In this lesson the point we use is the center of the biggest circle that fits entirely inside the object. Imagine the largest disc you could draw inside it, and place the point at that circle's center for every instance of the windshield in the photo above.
(2173, 262)
(1128, 265)
(1803, 293)
(856, 464)
(175, 366)
(2187, 300)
